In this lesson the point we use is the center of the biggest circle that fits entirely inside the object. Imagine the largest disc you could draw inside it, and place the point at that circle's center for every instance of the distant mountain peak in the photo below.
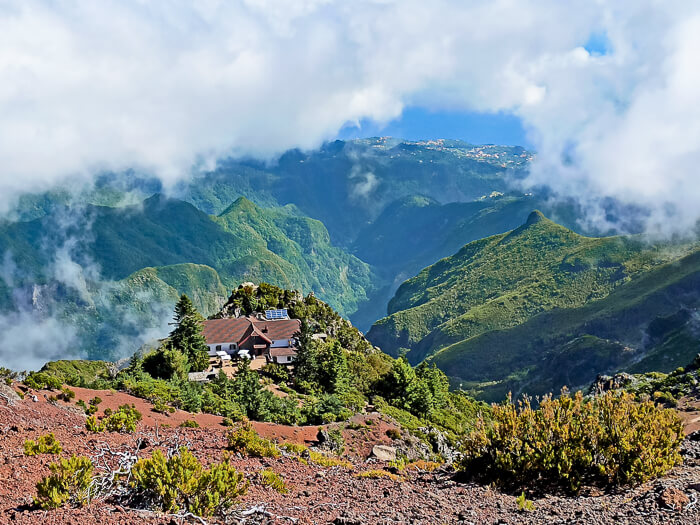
(535, 217)
(240, 204)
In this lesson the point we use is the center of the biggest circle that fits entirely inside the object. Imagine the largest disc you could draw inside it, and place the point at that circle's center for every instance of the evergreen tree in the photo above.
(436, 381)
(400, 384)
(251, 395)
(187, 337)
(306, 362)
(331, 368)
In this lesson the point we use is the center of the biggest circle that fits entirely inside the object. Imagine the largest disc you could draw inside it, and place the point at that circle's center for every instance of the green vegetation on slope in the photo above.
(542, 307)
(113, 273)
(642, 326)
(79, 372)
(346, 184)
(502, 281)
(288, 244)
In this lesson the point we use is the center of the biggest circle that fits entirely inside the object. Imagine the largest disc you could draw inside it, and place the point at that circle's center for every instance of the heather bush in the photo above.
(47, 444)
(245, 440)
(66, 394)
(294, 448)
(270, 478)
(68, 483)
(609, 439)
(181, 483)
(123, 420)
(41, 380)
(378, 474)
(326, 461)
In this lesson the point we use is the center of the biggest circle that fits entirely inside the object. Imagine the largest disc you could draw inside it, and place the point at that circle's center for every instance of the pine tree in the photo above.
(332, 368)
(187, 335)
(251, 395)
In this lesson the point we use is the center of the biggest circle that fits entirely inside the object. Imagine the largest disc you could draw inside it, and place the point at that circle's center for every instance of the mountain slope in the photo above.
(110, 276)
(347, 184)
(244, 243)
(540, 307)
(647, 324)
(501, 281)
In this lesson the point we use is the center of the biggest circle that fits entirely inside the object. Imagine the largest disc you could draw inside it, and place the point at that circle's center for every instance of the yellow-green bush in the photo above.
(123, 420)
(524, 504)
(247, 441)
(326, 461)
(181, 483)
(47, 444)
(378, 474)
(68, 483)
(569, 440)
(270, 478)
(189, 423)
(403, 463)
(294, 448)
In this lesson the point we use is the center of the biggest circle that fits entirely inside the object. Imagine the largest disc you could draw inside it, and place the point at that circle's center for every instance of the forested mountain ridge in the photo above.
(501, 284)
(113, 273)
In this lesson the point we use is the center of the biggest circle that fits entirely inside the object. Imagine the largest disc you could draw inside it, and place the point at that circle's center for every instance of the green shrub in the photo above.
(326, 461)
(524, 504)
(181, 483)
(294, 448)
(378, 474)
(68, 483)
(247, 442)
(82, 373)
(67, 394)
(95, 401)
(610, 439)
(393, 433)
(41, 380)
(273, 480)
(92, 425)
(400, 463)
(123, 420)
(7, 375)
(189, 423)
(80, 403)
(162, 408)
(277, 372)
(47, 444)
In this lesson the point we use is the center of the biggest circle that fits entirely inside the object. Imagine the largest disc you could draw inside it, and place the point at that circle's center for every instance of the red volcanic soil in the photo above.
(317, 494)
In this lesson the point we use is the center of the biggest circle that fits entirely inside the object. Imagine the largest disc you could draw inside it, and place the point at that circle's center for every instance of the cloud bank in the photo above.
(168, 88)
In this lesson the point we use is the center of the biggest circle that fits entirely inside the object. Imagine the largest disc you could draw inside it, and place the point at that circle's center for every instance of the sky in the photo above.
(606, 93)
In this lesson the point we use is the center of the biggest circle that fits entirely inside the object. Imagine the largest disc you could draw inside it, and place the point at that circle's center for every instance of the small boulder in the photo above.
(384, 452)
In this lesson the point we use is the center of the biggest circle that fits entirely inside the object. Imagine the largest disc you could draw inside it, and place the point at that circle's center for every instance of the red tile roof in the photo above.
(218, 331)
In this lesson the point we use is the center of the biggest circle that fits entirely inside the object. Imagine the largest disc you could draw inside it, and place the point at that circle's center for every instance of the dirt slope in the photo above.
(317, 495)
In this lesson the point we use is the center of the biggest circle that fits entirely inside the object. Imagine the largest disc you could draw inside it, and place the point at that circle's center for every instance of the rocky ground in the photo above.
(317, 494)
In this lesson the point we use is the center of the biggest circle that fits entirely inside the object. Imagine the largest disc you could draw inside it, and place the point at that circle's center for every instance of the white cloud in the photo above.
(28, 340)
(164, 87)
